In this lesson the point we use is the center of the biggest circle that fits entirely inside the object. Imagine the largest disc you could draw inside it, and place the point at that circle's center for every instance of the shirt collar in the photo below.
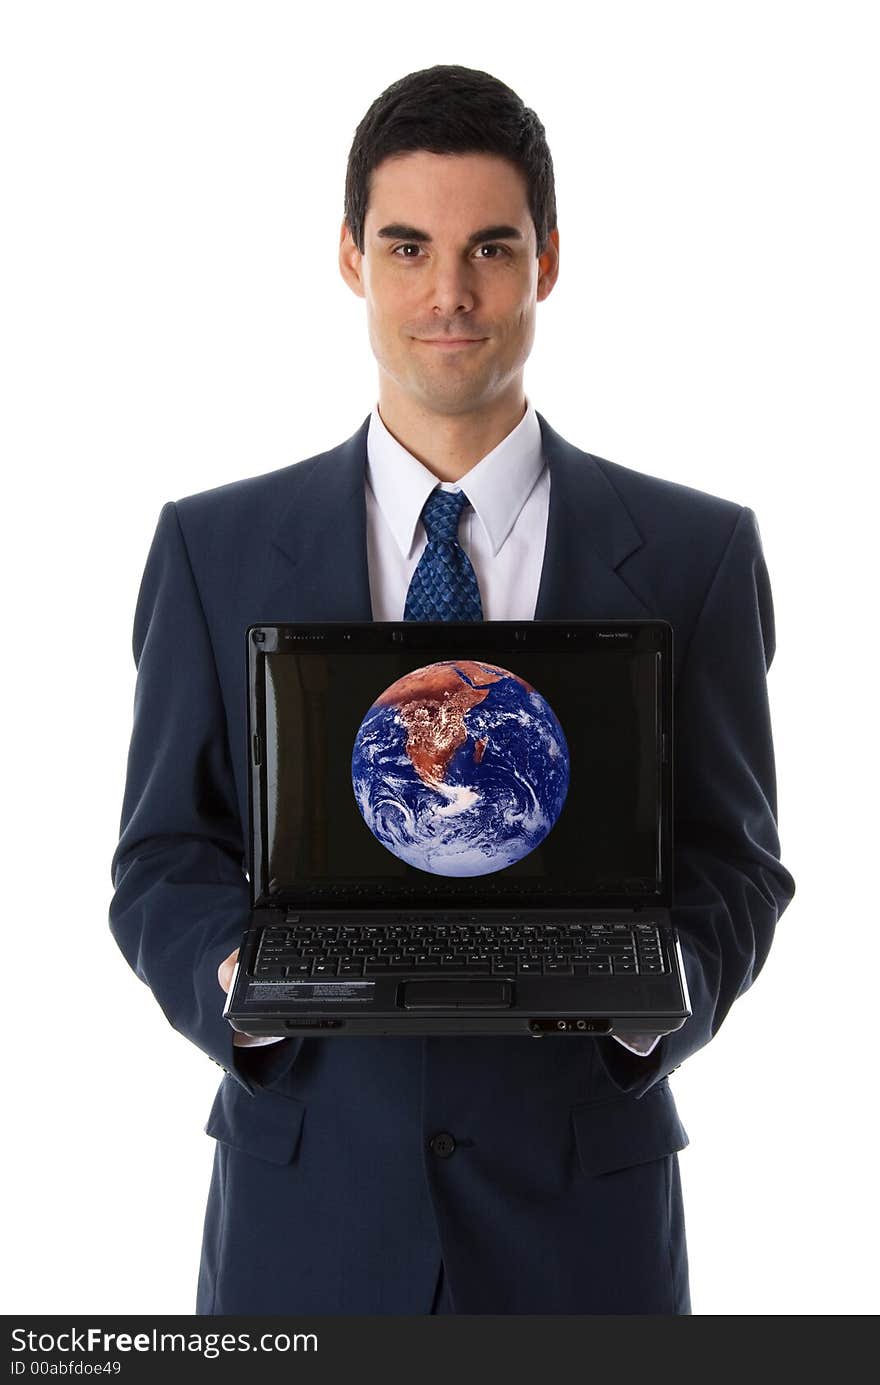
(497, 487)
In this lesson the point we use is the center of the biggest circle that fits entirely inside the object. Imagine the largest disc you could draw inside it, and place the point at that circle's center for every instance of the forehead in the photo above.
(448, 189)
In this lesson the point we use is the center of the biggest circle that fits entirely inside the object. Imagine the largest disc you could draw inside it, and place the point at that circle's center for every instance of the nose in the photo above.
(450, 289)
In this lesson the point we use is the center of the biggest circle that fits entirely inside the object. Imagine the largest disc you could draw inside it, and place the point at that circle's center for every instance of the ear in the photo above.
(548, 265)
(350, 259)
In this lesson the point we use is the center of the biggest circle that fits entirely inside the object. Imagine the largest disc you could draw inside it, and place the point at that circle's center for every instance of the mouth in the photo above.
(450, 343)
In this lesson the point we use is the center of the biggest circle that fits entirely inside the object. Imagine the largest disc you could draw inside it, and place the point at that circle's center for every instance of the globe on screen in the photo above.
(460, 768)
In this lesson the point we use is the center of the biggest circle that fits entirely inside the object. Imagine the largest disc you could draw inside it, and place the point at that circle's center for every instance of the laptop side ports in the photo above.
(550, 1025)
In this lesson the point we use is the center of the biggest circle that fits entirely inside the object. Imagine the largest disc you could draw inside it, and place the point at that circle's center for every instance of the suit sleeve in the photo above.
(181, 899)
(730, 887)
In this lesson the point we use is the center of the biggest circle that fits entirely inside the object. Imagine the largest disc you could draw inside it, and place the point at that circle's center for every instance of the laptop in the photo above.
(459, 828)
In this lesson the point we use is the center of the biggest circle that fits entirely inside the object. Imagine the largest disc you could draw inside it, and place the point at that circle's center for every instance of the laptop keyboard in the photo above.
(446, 946)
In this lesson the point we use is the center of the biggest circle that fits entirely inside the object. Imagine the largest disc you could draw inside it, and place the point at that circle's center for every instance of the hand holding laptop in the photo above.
(225, 972)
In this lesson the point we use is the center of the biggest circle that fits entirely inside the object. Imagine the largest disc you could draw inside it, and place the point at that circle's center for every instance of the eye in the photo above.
(493, 246)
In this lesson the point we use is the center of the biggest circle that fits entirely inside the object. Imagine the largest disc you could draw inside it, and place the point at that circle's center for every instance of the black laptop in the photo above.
(460, 828)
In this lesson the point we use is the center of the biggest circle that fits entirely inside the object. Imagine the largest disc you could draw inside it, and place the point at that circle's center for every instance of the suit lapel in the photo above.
(321, 539)
(589, 533)
(322, 535)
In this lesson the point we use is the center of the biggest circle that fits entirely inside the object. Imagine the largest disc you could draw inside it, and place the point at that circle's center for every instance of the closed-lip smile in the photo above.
(450, 341)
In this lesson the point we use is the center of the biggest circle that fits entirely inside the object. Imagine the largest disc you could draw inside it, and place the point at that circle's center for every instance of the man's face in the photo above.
(425, 277)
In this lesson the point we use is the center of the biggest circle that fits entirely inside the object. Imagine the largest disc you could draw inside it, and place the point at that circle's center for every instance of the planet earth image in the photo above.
(460, 768)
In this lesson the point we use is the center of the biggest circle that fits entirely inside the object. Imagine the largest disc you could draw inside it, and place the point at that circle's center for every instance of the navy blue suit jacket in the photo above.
(562, 1191)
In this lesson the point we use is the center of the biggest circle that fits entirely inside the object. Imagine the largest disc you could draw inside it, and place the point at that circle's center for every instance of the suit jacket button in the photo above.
(442, 1144)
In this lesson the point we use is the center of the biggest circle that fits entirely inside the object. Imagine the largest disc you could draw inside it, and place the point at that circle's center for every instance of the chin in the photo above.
(453, 384)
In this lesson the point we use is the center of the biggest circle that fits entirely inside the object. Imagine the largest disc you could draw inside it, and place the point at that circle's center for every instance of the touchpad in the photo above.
(457, 995)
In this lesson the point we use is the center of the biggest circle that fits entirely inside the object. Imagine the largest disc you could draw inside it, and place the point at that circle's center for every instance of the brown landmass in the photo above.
(432, 703)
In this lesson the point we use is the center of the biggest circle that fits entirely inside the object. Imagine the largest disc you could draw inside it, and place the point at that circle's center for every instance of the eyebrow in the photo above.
(398, 231)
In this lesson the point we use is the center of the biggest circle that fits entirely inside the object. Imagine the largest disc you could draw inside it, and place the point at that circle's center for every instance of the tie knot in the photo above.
(441, 513)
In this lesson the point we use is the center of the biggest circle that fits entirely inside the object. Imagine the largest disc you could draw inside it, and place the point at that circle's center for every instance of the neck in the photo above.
(449, 445)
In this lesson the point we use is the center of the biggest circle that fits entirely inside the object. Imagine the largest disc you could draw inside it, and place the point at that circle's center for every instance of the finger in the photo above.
(226, 969)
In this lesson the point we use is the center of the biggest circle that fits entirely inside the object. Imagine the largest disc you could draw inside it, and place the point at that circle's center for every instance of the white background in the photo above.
(173, 318)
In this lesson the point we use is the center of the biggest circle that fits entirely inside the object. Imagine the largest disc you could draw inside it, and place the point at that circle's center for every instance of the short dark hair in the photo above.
(449, 109)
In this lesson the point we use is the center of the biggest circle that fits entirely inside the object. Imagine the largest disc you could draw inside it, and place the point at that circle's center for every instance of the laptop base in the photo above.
(408, 1003)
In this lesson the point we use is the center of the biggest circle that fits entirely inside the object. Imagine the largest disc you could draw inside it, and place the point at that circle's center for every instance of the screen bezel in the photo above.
(489, 640)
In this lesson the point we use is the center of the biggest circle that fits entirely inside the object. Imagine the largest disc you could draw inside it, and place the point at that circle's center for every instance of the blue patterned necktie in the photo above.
(444, 585)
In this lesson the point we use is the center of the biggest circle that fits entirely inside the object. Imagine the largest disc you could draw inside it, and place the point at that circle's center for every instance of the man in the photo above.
(471, 1175)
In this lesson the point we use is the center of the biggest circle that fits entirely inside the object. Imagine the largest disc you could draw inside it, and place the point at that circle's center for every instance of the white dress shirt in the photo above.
(503, 532)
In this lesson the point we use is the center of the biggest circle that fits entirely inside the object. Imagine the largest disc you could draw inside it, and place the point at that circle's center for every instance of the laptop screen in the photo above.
(443, 775)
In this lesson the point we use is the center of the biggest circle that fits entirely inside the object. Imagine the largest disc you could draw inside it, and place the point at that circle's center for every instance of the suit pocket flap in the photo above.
(622, 1131)
(266, 1124)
